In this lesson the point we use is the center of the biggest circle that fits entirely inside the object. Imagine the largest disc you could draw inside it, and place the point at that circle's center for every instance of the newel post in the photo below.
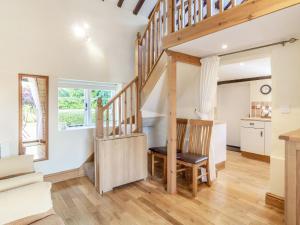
(138, 74)
(99, 120)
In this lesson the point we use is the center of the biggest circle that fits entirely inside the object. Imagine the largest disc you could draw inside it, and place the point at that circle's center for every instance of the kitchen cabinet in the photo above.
(256, 136)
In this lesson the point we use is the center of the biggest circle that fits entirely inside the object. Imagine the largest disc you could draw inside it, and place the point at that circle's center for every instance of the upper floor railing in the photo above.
(190, 12)
(169, 16)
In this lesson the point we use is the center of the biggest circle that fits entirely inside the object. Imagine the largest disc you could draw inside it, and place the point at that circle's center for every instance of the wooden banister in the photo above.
(119, 112)
(120, 93)
(99, 119)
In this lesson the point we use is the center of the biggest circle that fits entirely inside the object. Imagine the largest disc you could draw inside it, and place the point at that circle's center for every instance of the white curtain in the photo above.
(207, 94)
(36, 99)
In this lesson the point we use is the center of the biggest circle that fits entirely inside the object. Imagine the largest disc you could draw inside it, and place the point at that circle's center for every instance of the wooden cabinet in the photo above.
(292, 177)
(256, 137)
(120, 161)
(268, 138)
(252, 140)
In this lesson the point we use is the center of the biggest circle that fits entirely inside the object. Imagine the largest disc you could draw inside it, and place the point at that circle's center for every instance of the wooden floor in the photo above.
(236, 198)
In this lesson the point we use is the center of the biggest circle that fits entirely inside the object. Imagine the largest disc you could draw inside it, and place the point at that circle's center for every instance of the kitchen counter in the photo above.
(258, 119)
(293, 136)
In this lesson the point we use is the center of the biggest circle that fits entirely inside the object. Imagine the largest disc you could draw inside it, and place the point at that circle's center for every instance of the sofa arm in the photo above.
(25, 201)
(15, 182)
(16, 165)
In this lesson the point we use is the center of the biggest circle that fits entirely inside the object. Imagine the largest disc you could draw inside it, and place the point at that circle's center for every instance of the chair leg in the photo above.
(208, 175)
(165, 169)
(153, 165)
(195, 180)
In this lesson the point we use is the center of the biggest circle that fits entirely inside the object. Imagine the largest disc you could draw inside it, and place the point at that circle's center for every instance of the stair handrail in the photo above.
(122, 108)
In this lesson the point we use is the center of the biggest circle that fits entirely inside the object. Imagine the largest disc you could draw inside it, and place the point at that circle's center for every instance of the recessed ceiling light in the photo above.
(79, 31)
(224, 46)
(242, 64)
(86, 26)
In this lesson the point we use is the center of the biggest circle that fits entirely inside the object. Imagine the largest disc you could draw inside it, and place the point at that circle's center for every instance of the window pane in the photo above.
(71, 107)
(106, 95)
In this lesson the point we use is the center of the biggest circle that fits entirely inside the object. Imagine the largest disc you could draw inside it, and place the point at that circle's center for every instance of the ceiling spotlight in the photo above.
(86, 26)
(242, 64)
(79, 31)
(224, 46)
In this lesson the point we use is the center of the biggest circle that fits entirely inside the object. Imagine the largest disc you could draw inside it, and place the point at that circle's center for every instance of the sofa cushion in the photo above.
(32, 219)
(7, 184)
(16, 165)
(25, 201)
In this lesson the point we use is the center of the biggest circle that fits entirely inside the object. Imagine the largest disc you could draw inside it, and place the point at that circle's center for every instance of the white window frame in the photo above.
(87, 86)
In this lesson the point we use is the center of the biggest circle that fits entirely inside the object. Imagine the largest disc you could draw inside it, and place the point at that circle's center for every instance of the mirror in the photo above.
(33, 116)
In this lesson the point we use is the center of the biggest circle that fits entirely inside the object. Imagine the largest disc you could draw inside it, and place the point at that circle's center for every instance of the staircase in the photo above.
(122, 115)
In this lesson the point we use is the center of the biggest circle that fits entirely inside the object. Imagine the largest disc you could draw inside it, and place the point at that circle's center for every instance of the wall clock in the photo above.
(265, 89)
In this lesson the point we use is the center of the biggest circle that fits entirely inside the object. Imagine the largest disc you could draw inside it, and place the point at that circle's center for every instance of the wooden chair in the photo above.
(161, 152)
(197, 154)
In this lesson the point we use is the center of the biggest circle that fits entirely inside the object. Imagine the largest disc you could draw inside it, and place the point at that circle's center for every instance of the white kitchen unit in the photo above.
(256, 136)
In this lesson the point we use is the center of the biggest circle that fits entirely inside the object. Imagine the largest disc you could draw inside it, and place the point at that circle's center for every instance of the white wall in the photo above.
(286, 83)
(233, 104)
(36, 38)
(256, 95)
(187, 87)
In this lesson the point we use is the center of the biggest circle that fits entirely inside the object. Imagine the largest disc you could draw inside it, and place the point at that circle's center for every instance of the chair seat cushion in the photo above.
(160, 150)
(191, 158)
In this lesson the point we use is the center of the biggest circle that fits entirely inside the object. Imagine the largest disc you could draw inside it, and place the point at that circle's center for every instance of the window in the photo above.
(77, 102)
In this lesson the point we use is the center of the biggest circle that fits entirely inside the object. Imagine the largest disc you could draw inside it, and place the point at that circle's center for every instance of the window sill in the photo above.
(77, 128)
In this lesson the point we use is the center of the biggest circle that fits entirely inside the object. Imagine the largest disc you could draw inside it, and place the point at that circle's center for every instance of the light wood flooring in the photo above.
(236, 198)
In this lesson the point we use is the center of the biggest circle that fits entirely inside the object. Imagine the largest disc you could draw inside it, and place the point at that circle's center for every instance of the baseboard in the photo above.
(274, 200)
(220, 166)
(64, 175)
(233, 148)
(251, 155)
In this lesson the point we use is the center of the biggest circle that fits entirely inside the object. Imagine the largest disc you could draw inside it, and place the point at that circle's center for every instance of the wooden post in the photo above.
(182, 14)
(138, 119)
(233, 3)
(221, 6)
(99, 124)
(171, 158)
(209, 8)
(200, 8)
(139, 82)
(190, 12)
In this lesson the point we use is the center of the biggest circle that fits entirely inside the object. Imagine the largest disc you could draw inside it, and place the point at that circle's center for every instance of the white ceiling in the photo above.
(130, 5)
(245, 69)
(278, 26)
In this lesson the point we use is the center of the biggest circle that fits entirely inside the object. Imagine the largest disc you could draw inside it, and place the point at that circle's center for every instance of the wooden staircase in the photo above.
(172, 22)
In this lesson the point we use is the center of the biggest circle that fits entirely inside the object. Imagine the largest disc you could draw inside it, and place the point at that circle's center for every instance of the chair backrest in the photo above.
(200, 135)
(181, 125)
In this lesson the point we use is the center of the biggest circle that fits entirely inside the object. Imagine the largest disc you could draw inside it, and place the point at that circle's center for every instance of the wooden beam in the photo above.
(184, 58)
(171, 156)
(249, 10)
(244, 80)
(138, 7)
(120, 3)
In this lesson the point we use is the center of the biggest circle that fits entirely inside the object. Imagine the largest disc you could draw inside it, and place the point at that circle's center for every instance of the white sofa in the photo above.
(24, 196)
